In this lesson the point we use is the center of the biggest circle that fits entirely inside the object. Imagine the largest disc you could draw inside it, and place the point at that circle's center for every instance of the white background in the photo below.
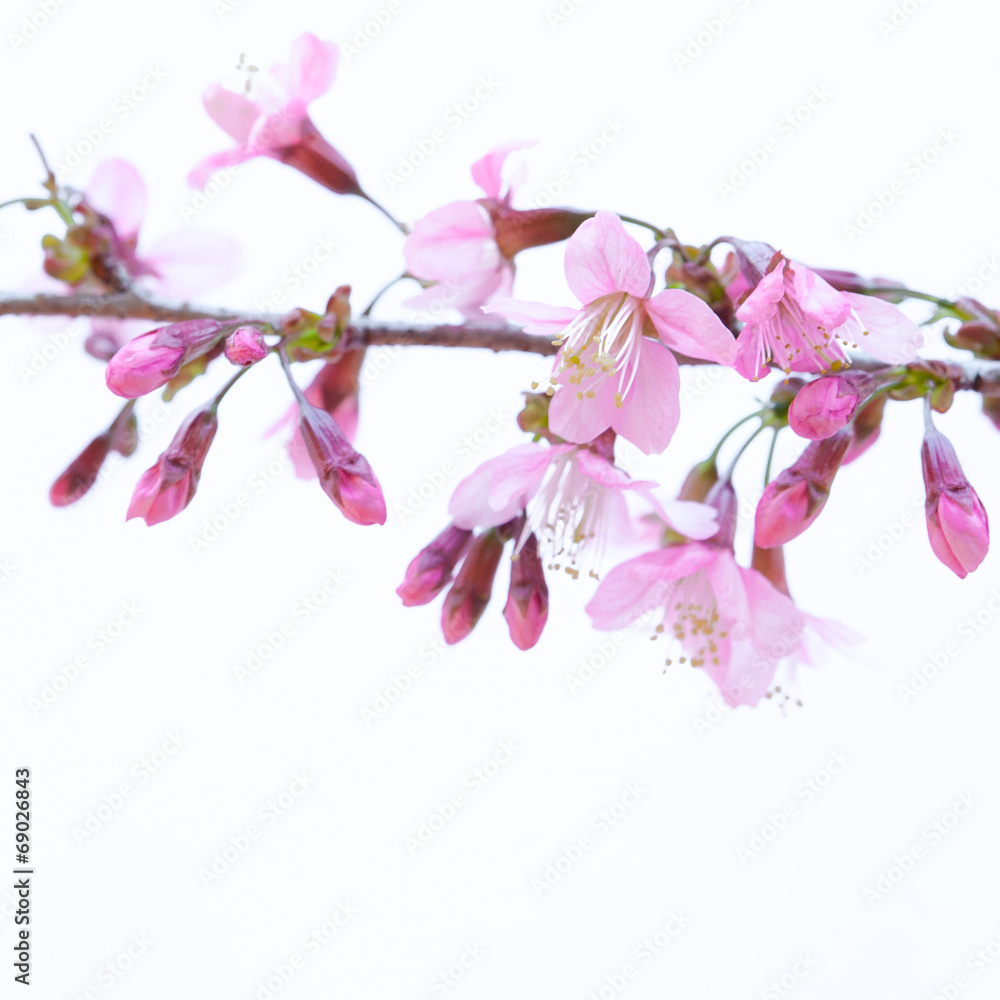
(706, 788)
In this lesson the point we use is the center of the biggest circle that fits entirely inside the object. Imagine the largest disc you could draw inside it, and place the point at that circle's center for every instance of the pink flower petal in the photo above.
(687, 324)
(199, 175)
(602, 258)
(694, 520)
(651, 408)
(533, 317)
(117, 191)
(310, 70)
(466, 295)
(821, 302)
(190, 262)
(762, 303)
(637, 586)
(892, 336)
(234, 113)
(501, 487)
(579, 418)
(487, 172)
(451, 242)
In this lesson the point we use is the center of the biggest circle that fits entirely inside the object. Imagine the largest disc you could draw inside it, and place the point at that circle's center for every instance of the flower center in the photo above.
(601, 341)
(567, 515)
(691, 614)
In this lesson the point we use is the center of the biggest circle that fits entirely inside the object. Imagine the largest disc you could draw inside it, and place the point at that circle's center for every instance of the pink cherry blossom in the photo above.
(180, 265)
(168, 487)
(727, 619)
(957, 523)
(615, 367)
(572, 497)
(468, 247)
(794, 319)
(274, 122)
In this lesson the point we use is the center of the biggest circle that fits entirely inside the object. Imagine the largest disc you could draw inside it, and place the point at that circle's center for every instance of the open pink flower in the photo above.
(275, 121)
(180, 265)
(727, 619)
(572, 498)
(615, 367)
(468, 247)
(794, 319)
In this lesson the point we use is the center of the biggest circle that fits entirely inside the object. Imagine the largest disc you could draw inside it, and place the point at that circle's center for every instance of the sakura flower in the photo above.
(727, 619)
(572, 496)
(615, 367)
(957, 523)
(168, 487)
(794, 319)
(468, 247)
(180, 265)
(274, 122)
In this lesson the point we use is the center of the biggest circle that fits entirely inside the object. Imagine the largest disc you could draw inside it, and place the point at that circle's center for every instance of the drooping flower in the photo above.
(614, 368)
(468, 247)
(345, 475)
(245, 346)
(957, 524)
(275, 122)
(572, 497)
(794, 319)
(154, 358)
(793, 500)
(727, 619)
(167, 488)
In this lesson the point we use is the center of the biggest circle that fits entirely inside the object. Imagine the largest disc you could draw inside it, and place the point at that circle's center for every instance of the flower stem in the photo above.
(382, 291)
(739, 423)
(399, 225)
(770, 455)
(658, 233)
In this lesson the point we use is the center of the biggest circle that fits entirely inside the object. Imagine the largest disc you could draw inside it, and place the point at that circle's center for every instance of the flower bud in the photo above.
(168, 487)
(245, 345)
(527, 607)
(794, 500)
(81, 473)
(822, 407)
(344, 474)
(957, 524)
(470, 593)
(153, 359)
(431, 570)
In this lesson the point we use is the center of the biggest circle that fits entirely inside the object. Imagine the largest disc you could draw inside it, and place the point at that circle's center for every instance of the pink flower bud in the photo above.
(957, 524)
(527, 606)
(81, 473)
(824, 406)
(245, 345)
(344, 474)
(153, 359)
(794, 500)
(167, 488)
(518, 230)
(431, 570)
(770, 563)
(722, 496)
(471, 591)
(867, 427)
